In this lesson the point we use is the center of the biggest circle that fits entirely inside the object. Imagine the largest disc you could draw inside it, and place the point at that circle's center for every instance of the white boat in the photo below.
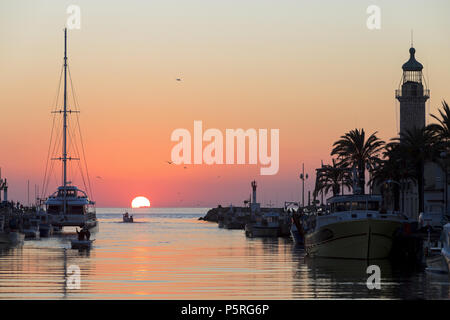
(354, 229)
(81, 244)
(31, 228)
(264, 225)
(10, 237)
(69, 205)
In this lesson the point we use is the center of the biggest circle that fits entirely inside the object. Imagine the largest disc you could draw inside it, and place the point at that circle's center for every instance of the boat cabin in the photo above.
(78, 207)
(355, 203)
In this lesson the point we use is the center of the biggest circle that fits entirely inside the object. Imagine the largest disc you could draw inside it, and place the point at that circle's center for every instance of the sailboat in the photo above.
(69, 205)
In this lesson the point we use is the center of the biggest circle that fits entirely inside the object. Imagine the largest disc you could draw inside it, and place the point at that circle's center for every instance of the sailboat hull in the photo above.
(358, 239)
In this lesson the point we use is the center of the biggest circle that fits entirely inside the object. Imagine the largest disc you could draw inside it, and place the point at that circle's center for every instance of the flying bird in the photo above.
(169, 162)
(178, 79)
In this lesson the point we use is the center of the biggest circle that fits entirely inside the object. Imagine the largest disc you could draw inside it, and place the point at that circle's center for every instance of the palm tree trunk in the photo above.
(361, 177)
(336, 189)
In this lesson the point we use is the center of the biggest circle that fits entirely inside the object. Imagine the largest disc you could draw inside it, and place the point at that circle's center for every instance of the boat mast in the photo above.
(64, 155)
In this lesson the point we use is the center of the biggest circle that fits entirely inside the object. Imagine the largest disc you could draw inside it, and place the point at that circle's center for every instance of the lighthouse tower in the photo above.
(254, 205)
(412, 95)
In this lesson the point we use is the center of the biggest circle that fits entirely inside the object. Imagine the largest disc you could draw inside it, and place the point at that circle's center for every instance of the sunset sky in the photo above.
(311, 69)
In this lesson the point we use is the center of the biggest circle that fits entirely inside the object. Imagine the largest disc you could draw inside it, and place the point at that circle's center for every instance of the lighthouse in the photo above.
(254, 205)
(412, 95)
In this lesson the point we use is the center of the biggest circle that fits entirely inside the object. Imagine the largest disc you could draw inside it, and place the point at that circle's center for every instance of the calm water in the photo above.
(169, 254)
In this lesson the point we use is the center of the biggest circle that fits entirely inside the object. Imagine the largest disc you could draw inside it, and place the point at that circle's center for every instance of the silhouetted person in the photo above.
(81, 234)
(87, 233)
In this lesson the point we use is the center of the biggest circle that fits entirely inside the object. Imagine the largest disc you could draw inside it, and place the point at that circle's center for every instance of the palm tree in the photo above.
(330, 177)
(415, 147)
(442, 129)
(353, 150)
(392, 168)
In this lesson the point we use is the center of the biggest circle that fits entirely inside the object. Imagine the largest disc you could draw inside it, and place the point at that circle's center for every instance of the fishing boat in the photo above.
(127, 218)
(81, 244)
(355, 228)
(69, 205)
(264, 225)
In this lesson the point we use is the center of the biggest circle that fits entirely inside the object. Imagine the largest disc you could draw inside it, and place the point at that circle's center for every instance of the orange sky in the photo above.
(314, 71)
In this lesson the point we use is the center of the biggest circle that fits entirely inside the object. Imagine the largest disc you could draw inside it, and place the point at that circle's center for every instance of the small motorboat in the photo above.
(127, 218)
(81, 244)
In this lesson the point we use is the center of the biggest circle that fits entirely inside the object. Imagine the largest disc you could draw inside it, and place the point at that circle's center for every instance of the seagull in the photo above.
(169, 162)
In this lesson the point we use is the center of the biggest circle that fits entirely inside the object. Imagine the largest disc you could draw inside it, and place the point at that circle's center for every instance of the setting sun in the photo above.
(140, 202)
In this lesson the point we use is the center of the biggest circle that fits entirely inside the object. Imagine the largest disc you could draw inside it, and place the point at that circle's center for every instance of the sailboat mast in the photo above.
(64, 157)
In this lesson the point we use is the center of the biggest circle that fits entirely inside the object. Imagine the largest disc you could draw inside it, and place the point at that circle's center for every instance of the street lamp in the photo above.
(303, 177)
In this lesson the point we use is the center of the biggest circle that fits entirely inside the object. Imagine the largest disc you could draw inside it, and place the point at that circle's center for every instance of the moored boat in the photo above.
(264, 225)
(81, 244)
(355, 228)
(69, 205)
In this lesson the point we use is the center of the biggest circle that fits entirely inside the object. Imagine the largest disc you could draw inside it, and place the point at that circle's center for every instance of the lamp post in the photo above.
(303, 177)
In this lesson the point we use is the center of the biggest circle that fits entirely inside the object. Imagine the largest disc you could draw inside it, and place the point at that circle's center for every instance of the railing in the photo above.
(408, 93)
